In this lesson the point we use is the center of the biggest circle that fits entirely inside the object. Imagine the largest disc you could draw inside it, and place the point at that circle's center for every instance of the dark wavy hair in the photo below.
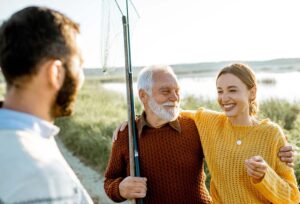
(31, 36)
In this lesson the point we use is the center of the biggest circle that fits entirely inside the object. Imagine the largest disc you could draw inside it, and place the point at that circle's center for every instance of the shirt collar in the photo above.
(10, 119)
(142, 122)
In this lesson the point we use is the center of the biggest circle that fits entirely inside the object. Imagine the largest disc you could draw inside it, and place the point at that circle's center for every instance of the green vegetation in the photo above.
(192, 103)
(1, 77)
(2, 86)
(2, 90)
(280, 111)
(88, 132)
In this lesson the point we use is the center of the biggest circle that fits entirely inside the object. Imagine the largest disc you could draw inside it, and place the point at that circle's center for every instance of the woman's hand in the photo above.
(287, 154)
(119, 128)
(256, 167)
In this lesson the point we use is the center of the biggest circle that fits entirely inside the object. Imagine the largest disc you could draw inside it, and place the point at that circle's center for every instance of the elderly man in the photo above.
(171, 156)
(41, 63)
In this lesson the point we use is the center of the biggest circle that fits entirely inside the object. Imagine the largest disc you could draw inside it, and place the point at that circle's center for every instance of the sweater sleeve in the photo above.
(280, 185)
(188, 113)
(116, 169)
(205, 197)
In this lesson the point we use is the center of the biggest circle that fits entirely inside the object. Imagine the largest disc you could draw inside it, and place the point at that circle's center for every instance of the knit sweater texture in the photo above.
(171, 161)
(230, 182)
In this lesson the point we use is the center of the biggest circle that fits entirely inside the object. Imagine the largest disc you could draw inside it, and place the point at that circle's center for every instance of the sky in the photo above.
(177, 31)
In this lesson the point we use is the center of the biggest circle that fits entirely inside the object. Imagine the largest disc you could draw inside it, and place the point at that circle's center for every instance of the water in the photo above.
(286, 85)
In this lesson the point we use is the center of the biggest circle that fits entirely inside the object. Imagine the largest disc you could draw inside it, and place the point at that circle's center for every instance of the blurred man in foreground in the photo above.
(41, 63)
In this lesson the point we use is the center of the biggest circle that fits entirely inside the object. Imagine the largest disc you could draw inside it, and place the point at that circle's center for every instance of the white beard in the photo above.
(159, 110)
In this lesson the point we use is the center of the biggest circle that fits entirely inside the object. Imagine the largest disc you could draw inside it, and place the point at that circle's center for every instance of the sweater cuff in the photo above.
(270, 187)
(266, 183)
(116, 196)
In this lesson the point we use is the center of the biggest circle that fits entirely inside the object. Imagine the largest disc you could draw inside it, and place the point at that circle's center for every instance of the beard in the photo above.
(161, 112)
(66, 96)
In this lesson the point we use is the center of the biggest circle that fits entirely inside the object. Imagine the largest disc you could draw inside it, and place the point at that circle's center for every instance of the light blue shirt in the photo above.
(32, 168)
(10, 119)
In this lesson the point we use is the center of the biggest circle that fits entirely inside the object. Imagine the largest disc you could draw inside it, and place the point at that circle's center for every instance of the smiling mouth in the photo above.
(228, 107)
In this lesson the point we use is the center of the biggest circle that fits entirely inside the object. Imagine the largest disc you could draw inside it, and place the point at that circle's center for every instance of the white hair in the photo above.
(145, 77)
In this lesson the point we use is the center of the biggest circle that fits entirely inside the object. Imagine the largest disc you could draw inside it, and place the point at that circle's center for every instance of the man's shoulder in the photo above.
(183, 118)
(187, 123)
(11, 145)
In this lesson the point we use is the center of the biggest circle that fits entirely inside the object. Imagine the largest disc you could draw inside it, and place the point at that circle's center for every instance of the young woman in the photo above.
(240, 150)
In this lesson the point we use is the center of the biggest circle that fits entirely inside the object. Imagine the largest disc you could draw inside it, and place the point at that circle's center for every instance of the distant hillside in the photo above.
(270, 65)
(275, 65)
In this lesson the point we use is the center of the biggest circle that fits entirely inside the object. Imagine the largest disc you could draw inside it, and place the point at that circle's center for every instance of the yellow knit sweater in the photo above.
(230, 183)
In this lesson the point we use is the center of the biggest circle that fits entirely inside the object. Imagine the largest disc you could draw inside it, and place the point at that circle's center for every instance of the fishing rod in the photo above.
(132, 134)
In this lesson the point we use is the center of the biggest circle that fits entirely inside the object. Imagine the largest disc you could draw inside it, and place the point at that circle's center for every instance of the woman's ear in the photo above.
(56, 74)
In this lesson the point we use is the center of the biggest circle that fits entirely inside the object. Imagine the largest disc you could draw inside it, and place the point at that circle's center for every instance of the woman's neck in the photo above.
(244, 121)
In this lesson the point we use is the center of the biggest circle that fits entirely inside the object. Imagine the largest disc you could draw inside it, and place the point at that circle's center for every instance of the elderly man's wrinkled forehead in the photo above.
(164, 77)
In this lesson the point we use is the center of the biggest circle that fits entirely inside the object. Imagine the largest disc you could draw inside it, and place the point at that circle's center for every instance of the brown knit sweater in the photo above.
(171, 161)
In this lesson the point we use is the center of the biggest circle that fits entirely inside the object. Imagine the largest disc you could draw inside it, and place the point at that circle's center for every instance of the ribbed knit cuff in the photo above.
(115, 193)
(264, 183)
(274, 188)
